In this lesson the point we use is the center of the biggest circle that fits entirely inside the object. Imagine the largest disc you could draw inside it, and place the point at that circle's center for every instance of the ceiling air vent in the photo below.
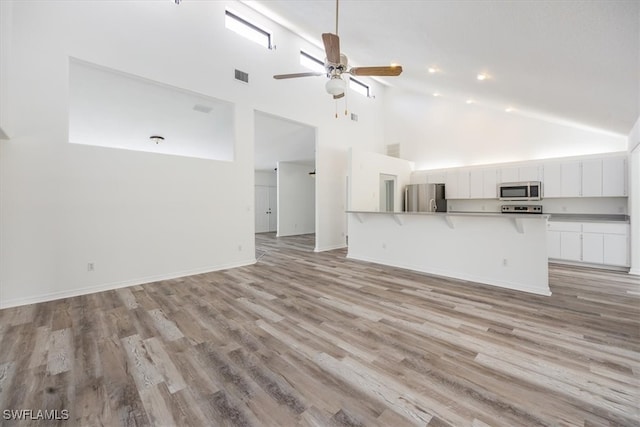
(242, 76)
(393, 150)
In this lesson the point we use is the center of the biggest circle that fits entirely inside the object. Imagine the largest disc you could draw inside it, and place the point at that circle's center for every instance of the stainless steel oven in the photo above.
(530, 190)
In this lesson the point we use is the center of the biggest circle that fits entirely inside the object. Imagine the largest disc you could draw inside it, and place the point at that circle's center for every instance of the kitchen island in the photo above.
(506, 250)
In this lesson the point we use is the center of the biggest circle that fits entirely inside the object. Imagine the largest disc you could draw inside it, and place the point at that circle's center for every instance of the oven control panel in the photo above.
(528, 209)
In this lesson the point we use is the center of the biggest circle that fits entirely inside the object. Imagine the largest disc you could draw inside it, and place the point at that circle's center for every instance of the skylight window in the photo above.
(359, 87)
(247, 29)
(308, 61)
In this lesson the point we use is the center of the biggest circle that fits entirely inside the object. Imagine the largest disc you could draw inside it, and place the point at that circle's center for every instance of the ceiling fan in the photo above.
(336, 64)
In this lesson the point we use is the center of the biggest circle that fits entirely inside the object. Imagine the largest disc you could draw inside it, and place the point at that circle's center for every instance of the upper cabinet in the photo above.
(586, 177)
(614, 176)
(594, 177)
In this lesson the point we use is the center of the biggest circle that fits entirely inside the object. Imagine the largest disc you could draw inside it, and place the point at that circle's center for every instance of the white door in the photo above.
(273, 209)
(262, 208)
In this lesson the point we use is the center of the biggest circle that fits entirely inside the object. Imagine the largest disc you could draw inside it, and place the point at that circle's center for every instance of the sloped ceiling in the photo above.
(572, 61)
(278, 139)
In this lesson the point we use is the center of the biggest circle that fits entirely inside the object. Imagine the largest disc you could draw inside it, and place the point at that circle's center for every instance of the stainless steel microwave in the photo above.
(531, 190)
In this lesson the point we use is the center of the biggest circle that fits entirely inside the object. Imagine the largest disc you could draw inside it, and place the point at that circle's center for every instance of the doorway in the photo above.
(387, 192)
(285, 183)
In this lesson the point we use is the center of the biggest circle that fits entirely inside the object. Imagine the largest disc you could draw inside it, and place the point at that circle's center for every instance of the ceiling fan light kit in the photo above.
(336, 64)
(336, 86)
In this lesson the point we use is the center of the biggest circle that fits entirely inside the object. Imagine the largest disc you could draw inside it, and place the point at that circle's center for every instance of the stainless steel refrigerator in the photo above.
(424, 198)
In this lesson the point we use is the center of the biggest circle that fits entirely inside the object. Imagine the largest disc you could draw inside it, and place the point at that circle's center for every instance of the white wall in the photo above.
(6, 16)
(439, 132)
(269, 179)
(364, 179)
(139, 216)
(296, 199)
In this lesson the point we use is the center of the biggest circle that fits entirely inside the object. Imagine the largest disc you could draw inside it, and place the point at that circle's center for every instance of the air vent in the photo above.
(393, 150)
(202, 108)
(242, 76)
(354, 117)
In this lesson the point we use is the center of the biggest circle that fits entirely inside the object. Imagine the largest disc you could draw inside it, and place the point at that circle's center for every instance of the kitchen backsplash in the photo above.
(583, 205)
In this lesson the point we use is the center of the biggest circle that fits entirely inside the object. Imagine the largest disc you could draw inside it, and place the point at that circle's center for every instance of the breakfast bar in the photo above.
(506, 250)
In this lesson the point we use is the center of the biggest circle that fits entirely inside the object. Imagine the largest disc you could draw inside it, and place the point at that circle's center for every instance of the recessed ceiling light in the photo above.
(436, 94)
(432, 70)
(470, 101)
(509, 109)
(482, 76)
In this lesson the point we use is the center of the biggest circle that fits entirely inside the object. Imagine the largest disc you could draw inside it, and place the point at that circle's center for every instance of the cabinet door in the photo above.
(553, 244)
(529, 173)
(437, 178)
(592, 178)
(570, 246)
(593, 248)
(509, 174)
(475, 184)
(490, 183)
(463, 184)
(616, 250)
(571, 179)
(614, 177)
(552, 186)
(451, 185)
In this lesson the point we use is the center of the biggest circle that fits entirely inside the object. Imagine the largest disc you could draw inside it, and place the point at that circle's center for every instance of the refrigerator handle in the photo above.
(406, 202)
(433, 205)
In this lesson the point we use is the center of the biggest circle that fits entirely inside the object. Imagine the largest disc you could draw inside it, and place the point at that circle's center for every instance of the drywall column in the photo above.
(634, 197)
(6, 15)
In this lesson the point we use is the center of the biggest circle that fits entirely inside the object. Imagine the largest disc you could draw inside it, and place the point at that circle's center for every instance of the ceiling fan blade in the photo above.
(393, 70)
(332, 47)
(338, 96)
(295, 75)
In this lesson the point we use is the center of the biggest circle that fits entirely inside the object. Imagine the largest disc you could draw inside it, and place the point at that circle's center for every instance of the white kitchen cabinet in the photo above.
(570, 179)
(457, 184)
(510, 174)
(614, 176)
(451, 184)
(562, 179)
(593, 248)
(490, 183)
(592, 178)
(605, 243)
(616, 249)
(476, 187)
(529, 173)
(571, 246)
(552, 186)
(436, 178)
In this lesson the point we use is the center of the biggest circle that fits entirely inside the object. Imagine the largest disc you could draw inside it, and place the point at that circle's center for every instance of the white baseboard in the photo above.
(15, 302)
(329, 248)
(635, 271)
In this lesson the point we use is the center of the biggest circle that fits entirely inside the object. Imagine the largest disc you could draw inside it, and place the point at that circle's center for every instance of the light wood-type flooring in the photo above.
(304, 338)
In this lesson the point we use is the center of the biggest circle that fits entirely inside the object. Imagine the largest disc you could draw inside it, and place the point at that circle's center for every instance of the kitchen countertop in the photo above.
(589, 218)
(456, 213)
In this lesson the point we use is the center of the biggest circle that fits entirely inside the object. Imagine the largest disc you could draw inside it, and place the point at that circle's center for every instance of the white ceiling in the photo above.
(570, 61)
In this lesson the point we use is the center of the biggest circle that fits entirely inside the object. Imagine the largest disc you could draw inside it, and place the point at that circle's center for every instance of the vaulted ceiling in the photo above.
(572, 61)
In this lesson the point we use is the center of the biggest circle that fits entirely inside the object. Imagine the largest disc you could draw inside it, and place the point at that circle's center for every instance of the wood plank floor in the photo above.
(304, 338)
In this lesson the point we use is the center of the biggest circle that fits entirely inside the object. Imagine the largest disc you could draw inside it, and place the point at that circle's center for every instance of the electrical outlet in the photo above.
(239, 248)
(91, 266)
(504, 262)
(384, 246)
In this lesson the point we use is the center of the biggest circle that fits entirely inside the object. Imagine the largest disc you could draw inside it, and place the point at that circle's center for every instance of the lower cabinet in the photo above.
(589, 242)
